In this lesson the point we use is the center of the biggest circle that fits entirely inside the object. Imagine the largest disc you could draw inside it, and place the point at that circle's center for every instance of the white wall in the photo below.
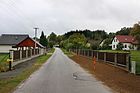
(5, 48)
(135, 47)
(127, 46)
(114, 43)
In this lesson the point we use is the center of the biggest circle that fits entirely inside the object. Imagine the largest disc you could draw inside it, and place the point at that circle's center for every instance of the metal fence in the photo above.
(119, 59)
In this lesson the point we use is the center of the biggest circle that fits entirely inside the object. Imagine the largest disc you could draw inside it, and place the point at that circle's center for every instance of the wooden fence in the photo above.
(119, 59)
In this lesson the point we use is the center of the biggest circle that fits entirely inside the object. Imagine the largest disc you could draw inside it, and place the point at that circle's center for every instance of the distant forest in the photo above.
(87, 38)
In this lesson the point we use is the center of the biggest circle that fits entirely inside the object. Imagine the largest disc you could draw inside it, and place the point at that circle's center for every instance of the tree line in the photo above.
(86, 38)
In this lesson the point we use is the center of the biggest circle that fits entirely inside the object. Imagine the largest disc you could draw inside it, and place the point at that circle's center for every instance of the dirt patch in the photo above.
(116, 78)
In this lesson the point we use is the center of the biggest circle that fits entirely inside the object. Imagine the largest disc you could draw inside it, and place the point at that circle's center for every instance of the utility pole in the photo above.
(35, 35)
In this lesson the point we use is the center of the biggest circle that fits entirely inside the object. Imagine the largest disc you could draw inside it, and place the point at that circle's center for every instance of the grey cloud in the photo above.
(60, 16)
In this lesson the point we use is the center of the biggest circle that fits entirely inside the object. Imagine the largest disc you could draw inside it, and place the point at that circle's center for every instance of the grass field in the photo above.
(7, 85)
(3, 62)
(113, 51)
(135, 56)
(4, 57)
(66, 52)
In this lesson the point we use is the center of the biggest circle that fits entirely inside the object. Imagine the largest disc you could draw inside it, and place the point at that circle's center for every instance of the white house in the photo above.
(129, 42)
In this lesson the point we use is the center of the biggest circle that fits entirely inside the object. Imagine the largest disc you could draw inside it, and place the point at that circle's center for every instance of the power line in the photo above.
(20, 14)
(8, 9)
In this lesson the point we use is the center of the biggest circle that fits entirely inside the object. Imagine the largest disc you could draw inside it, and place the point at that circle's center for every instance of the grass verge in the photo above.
(7, 85)
(67, 52)
(3, 62)
(114, 51)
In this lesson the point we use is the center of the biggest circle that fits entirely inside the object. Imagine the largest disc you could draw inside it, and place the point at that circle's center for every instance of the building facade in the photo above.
(128, 42)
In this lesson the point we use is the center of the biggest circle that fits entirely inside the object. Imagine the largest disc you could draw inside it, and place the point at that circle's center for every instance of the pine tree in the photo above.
(43, 40)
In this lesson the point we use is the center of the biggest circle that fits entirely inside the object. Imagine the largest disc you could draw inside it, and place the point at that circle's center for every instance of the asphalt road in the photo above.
(61, 75)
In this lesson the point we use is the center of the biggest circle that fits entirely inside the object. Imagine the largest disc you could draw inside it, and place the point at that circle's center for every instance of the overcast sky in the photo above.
(60, 16)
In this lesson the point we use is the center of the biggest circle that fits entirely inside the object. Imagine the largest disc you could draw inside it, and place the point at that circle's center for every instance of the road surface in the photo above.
(61, 75)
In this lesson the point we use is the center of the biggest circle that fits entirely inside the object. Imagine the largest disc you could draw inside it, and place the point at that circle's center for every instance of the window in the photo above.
(113, 46)
(125, 46)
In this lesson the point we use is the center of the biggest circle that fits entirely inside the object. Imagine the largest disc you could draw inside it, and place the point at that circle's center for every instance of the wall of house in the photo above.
(135, 47)
(114, 43)
(5, 48)
(127, 46)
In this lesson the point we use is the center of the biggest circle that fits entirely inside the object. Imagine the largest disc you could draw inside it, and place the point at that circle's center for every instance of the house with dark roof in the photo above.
(129, 42)
(16, 42)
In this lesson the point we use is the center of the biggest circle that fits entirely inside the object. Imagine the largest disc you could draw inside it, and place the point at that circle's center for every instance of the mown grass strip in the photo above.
(7, 85)
(114, 51)
(66, 52)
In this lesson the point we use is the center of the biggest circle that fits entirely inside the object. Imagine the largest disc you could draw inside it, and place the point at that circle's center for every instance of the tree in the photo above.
(136, 31)
(59, 38)
(52, 39)
(106, 44)
(124, 31)
(75, 41)
(43, 39)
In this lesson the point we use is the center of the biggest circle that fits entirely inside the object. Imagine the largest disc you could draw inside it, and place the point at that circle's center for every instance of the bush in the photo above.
(119, 46)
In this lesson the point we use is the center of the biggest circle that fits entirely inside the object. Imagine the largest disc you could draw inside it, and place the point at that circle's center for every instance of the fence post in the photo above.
(84, 52)
(20, 52)
(88, 52)
(78, 52)
(128, 61)
(11, 55)
(34, 51)
(115, 59)
(97, 56)
(26, 53)
(69, 50)
(91, 53)
(133, 67)
(104, 56)
(31, 52)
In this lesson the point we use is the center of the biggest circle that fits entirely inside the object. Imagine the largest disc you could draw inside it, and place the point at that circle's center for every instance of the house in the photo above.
(128, 42)
(16, 42)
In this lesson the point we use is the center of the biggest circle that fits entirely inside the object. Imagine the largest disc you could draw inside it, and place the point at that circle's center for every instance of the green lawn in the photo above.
(3, 62)
(135, 56)
(113, 51)
(7, 85)
(4, 57)
(66, 52)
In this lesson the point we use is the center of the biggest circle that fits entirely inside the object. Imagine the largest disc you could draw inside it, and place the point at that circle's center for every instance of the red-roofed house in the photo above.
(129, 42)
